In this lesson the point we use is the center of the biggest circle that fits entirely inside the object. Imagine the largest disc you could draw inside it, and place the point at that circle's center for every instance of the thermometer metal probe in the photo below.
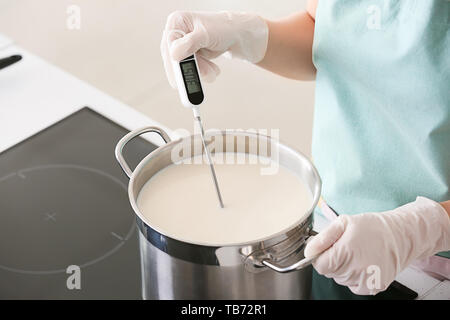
(208, 155)
(191, 94)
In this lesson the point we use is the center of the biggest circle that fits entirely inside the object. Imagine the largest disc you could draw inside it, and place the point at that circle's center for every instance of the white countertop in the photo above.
(35, 94)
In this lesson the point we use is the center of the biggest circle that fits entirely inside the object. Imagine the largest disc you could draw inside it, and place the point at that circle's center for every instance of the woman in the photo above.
(381, 139)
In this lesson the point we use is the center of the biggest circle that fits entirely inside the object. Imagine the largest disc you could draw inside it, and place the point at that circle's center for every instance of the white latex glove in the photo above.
(208, 34)
(356, 247)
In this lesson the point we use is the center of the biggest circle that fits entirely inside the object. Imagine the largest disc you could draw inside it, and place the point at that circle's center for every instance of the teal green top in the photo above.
(382, 112)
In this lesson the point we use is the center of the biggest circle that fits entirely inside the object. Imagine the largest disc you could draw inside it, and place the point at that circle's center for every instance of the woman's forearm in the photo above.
(446, 206)
(289, 49)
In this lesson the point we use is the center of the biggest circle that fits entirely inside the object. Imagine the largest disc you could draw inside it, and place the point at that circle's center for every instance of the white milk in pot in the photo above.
(181, 202)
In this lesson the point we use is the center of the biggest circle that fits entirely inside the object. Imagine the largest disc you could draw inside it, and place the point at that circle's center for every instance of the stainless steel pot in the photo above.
(269, 268)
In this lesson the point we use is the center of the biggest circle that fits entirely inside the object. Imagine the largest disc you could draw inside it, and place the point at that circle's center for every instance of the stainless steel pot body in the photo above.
(269, 268)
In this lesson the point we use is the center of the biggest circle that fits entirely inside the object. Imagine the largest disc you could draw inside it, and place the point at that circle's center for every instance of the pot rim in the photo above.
(169, 145)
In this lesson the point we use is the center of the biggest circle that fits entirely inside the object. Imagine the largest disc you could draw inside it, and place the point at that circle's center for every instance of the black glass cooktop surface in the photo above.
(67, 230)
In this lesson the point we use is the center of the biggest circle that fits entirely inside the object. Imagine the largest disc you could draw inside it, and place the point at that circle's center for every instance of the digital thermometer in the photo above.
(187, 78)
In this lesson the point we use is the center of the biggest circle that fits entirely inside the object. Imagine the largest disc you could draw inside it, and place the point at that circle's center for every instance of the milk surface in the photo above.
(180, 201)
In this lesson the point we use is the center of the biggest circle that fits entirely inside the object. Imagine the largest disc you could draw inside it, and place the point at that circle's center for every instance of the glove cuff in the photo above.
(252, 36)
(421, 228)
(440, 219)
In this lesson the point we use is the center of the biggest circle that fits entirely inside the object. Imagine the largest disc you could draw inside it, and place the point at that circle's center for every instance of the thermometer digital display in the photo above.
(188, 81)
(190, 77)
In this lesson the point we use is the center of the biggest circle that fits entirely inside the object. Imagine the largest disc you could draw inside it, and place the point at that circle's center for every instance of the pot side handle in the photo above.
(303, 263)
(131, 135)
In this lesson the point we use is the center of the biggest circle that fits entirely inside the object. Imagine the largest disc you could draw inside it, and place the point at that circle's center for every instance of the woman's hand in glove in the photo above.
(210, 34)
(365, 252)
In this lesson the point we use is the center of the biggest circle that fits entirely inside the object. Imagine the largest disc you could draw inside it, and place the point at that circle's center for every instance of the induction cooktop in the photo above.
(67, 230)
